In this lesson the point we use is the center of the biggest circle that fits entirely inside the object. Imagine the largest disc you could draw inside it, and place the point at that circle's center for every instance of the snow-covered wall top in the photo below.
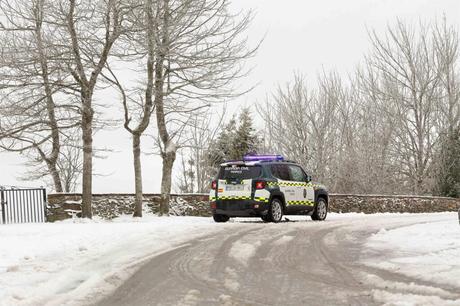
(66, 205)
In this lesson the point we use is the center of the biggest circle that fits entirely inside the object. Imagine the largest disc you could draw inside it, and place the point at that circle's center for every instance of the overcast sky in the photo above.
(302, 36)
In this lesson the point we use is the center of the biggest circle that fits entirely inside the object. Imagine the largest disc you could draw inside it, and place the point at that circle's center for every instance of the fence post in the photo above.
(45, 204)
(2, 201)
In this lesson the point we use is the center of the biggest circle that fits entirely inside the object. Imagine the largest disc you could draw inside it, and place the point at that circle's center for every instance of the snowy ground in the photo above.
(427, 252)
(59, 262)
(75, 262)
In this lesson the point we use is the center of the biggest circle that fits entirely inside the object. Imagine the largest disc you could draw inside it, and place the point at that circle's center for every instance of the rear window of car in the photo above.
(239, 172)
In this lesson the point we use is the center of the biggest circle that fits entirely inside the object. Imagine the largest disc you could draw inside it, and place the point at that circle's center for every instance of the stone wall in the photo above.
(370, 204)
(63, 206)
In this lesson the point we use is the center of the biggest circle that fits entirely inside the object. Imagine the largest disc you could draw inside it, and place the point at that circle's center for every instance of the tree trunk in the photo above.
(168, 161)
(87, 136)
(169, 154)
(52, 170)
(56, 177)
(137, 175)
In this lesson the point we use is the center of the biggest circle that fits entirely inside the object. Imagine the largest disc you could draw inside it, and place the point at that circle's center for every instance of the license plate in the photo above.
(234, 188)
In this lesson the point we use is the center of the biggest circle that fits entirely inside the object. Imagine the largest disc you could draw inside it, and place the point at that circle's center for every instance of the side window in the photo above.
(280, 171)
(297, 174)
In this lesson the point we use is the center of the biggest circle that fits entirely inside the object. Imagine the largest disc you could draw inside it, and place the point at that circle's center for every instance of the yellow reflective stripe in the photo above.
(212, 198)
(261, 199)
(234, 198)
(284, 184)
(306, 202)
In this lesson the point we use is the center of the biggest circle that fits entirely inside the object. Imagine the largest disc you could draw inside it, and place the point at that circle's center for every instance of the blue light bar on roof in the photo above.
(248, 158)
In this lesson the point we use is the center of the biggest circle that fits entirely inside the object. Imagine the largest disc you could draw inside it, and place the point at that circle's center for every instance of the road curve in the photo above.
(255, 263)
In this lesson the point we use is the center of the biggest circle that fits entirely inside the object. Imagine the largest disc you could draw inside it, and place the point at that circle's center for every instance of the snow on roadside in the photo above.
(409, 294)
(57, 263)
(428, 251)
(409, 299)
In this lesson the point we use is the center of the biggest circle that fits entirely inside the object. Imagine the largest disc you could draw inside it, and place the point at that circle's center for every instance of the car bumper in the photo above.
(240, 208)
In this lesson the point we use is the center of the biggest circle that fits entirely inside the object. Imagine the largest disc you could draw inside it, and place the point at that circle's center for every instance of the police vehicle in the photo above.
(266, 186)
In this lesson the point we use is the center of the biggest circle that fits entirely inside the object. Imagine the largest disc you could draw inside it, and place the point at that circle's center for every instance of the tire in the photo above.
(265, 218)
(275, 212)
(320, 212)
(220, 218)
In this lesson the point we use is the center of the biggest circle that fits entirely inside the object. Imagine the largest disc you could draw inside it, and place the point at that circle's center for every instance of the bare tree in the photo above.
(196, 171)
(33, 88)
(80, 36)
(138, 110)
(446, 45)
(302, 123)
(409, 78)
(186, 179)
(371, 134)
(69, 163)
(284, 119)
(379, 131)
(203, 134)
(446, 164)
(199, 51)
(90, 30)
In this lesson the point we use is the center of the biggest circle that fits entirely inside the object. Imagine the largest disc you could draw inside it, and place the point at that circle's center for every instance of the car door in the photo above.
(304, 199)
(282, 173)
(310, 191)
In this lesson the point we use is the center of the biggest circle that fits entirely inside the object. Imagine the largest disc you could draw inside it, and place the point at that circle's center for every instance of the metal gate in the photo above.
(23, 205)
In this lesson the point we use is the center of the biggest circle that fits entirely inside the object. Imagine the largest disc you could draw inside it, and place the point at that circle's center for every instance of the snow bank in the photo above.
(73, 262)
(408, 299)
(427, 252)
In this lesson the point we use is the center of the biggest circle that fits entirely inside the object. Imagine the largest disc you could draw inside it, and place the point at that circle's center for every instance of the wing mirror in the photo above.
(308, 178)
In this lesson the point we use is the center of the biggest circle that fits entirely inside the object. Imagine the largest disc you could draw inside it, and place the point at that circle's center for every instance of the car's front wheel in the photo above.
(320, 212)
(275, 212)
(220, 218)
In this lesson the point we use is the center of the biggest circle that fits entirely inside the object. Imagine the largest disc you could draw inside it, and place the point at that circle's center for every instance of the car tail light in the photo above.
(214, 185)
(213, 205)
(260, 185)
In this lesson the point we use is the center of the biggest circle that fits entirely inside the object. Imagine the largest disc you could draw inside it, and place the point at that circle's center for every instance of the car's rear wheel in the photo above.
(275, 212)
(220, 218)
(320, 212)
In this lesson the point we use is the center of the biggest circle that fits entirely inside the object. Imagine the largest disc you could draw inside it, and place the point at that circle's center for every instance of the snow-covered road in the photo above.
(399, 259)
